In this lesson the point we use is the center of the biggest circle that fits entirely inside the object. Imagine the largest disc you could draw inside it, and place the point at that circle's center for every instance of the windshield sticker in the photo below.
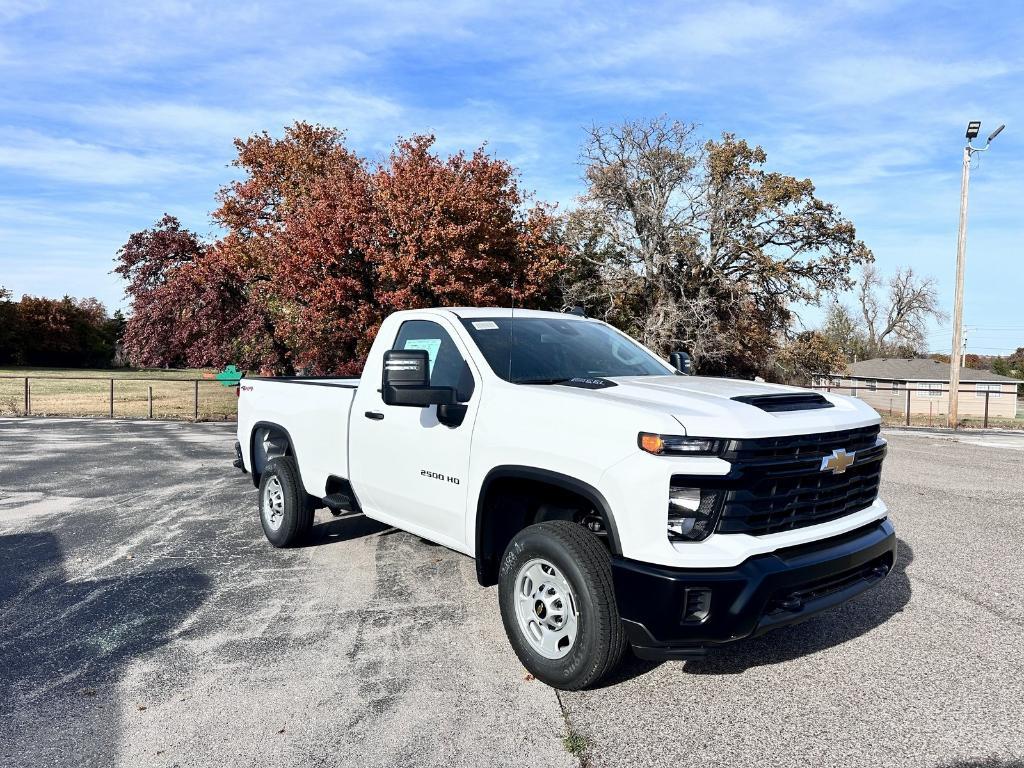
(485, 325)
(431, 345)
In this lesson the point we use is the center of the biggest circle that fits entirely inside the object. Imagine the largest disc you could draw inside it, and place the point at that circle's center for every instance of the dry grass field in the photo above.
(86, 392)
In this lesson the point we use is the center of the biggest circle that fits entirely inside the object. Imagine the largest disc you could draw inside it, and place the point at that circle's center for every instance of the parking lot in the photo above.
(144, 621)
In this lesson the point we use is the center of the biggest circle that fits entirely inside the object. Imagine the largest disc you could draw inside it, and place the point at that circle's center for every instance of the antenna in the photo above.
(511, 328)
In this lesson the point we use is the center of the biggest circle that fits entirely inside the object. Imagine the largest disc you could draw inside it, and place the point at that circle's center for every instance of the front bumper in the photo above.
(762, 593)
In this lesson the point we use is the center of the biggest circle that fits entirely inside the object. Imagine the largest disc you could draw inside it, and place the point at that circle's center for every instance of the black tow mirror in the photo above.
(407, 380)
(682, 362)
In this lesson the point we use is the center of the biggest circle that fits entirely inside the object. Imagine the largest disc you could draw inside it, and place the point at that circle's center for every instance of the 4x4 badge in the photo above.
(838, 461)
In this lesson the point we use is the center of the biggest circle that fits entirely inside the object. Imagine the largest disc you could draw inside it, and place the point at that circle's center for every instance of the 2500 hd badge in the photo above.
(439, 476)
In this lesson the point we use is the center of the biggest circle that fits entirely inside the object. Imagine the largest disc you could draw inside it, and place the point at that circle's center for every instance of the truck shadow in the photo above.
(346, 527)
(826, 630)
(66, 642)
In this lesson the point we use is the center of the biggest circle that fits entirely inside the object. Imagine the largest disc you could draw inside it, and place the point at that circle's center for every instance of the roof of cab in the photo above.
(501, 312)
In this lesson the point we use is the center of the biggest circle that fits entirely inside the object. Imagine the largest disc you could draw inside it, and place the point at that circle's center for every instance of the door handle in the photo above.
(375, 415)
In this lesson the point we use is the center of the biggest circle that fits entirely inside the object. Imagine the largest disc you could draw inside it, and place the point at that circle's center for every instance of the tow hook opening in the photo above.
(794, 600)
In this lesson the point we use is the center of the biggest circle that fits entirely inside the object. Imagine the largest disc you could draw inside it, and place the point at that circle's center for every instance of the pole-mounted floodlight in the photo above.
(958, 346)
(995, 133)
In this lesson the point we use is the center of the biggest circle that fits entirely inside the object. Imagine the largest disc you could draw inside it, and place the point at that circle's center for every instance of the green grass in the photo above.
(86, 392)
(574, 743)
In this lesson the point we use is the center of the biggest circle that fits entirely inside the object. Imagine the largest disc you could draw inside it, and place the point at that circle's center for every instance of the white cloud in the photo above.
(68, 160)
(869, 79)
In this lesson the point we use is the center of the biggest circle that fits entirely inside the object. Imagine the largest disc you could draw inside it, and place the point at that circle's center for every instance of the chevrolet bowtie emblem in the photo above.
(838, 461)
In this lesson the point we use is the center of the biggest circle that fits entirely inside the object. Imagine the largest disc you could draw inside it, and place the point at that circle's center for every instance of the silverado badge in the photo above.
(838, 461)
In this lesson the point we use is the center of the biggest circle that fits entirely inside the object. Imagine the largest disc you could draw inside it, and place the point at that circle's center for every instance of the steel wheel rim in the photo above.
(272, 506)
(546, 609)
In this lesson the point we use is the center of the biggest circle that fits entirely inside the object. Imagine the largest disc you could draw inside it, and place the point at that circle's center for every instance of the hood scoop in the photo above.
(800, 401)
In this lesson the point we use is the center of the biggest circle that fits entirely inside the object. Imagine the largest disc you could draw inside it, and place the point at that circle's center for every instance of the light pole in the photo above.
(961, 252)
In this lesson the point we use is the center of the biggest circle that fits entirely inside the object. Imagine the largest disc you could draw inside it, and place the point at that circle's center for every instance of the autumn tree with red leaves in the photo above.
(454, 232)
(319, 248)
(188, 297)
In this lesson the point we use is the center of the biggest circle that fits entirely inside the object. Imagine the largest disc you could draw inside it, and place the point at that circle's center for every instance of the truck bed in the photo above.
(314, 411)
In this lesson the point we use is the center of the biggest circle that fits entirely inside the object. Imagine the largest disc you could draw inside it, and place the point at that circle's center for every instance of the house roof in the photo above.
(917, 369)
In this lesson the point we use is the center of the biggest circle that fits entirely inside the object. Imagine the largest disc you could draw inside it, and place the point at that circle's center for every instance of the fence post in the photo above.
(985, 424)
(26, 397)
(111, 398)
(196, 416)
(908, 403)
(151, 402)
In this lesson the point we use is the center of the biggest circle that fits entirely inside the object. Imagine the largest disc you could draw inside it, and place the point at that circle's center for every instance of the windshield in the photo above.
(546, 351)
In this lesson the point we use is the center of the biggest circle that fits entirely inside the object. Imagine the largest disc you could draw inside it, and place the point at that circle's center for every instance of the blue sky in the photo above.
(113, 113)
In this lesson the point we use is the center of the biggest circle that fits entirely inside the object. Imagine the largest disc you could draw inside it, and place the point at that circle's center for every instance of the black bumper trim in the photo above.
(763, 593)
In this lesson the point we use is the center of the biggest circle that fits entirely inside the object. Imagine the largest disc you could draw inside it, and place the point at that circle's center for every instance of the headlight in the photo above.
(691, 513)
(678, 445)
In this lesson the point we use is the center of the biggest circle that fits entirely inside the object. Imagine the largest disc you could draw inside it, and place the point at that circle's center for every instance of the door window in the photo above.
(447, 366)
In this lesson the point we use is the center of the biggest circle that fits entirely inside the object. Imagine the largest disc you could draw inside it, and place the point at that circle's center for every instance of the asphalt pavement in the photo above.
(145, 621)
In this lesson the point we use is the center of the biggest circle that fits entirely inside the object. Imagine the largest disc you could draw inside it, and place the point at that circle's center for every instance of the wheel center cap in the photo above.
(539, 609)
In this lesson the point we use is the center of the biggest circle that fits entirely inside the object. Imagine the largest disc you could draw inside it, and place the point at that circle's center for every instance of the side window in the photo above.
(447, 367)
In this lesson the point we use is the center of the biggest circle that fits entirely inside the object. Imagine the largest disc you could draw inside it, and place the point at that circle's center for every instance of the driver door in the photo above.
(410, 469)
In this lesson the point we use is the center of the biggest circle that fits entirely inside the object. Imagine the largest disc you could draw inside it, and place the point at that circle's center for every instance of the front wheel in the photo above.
(558, 604)
(285, 512)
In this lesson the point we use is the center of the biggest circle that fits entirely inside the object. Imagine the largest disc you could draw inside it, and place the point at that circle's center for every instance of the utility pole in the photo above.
(952, 417)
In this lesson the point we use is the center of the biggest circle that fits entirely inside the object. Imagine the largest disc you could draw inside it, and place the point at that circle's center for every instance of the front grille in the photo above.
(776, 484)
(797, 447)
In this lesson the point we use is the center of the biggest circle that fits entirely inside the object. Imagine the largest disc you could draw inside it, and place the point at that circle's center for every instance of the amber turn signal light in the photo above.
(651, 443)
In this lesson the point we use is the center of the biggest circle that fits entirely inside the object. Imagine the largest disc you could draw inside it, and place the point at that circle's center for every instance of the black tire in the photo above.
(585, 564)
(296, 518)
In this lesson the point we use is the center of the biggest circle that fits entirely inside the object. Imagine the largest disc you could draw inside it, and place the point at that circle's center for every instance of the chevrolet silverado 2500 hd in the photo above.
(612, 499)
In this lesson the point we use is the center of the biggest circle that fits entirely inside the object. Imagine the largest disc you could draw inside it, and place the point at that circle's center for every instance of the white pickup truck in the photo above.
(613, 499)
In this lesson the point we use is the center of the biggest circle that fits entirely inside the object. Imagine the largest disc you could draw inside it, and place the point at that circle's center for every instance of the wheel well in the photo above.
(268, 441)
(510, 502)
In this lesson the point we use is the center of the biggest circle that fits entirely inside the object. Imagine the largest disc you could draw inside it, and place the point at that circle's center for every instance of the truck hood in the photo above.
(706, 406)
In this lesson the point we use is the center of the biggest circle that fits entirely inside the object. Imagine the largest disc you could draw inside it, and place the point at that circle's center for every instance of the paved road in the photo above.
(144, 621)
(925, 670)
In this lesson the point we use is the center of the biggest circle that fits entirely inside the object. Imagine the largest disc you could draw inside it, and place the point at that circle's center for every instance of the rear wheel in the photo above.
(558, 604)
(285, 511)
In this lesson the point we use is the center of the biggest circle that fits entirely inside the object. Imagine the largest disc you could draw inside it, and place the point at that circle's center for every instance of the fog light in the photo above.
(691, 513)
(684, 499)
(682, 504)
